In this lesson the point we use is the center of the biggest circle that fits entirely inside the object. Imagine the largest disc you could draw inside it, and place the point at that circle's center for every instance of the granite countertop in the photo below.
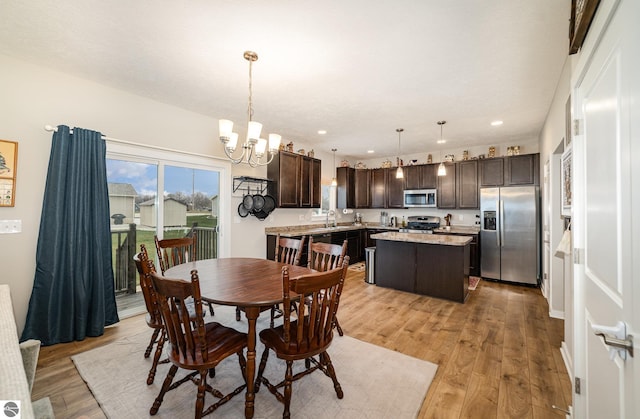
(443, 239)
(310, 229)
(458, 230)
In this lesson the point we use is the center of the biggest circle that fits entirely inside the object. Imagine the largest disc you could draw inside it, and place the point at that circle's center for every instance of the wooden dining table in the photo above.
(249, 283)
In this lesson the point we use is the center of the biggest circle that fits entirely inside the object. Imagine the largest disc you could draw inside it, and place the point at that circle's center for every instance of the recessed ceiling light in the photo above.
(442, 141)
(322, 132)
(370, 151)
(496, 123)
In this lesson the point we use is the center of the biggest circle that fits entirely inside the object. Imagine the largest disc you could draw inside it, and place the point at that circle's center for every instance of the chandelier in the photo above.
(254, 147)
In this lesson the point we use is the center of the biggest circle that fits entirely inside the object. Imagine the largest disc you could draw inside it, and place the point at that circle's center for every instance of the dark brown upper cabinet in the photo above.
(447, 187)
(422, 176)
(346, 191)
(378, 188)
(467, 183)
(395, 189)
(363, 186)
(491, 172)
(296, 180)
(510, 171)
(522, 170)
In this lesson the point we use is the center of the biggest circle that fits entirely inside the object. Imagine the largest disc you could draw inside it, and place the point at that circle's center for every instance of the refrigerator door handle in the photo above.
(502, 223)
(497, 226)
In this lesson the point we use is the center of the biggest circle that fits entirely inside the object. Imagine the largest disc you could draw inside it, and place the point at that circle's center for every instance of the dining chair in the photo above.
(194, 345)
(287, 251)
(323, 257)
(304, 334)
(153, 316)
(172, 252)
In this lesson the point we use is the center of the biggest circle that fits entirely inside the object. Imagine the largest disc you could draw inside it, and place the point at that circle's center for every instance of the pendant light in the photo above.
(399, 171)
(334, 181)
(442, 171)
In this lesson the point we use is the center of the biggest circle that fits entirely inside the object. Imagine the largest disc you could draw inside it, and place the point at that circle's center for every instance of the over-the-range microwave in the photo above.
(425, 198)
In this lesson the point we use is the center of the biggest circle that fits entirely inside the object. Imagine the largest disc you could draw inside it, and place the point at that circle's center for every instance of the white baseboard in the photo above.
(566, 357)
(556, 314)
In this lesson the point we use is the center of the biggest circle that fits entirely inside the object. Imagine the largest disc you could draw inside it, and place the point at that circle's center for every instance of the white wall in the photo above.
(559, 286)
(33, 96)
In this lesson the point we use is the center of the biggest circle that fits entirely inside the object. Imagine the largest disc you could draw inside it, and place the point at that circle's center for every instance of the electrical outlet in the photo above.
(10, 226)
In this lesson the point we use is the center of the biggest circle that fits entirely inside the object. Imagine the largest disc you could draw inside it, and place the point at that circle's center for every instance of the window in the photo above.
(328, 201)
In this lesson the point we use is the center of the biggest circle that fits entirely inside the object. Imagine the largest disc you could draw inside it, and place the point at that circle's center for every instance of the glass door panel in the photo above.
(192, 204)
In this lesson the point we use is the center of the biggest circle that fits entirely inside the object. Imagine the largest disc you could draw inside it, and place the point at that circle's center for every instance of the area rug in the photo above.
(358, 267)
(377, 382)
(473, 282)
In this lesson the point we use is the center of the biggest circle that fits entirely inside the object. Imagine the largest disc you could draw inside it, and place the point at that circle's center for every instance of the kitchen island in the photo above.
(436, 265)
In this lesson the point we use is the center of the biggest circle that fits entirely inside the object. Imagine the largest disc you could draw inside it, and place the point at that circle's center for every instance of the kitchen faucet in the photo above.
(330, 213)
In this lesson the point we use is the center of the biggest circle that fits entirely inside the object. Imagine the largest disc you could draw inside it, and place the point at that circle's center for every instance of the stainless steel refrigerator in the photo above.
(510, 234)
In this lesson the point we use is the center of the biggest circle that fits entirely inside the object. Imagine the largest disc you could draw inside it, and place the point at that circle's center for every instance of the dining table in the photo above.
(249, 283)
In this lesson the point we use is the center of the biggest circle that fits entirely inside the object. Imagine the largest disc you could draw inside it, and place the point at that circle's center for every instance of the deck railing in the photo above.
(124, 272)
(126, 246)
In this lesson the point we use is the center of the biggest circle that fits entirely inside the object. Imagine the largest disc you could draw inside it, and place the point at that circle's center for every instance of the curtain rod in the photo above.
(51, 128)
(104, 137)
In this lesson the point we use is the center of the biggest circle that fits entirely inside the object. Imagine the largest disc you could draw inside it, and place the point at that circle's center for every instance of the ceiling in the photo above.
(357, 69)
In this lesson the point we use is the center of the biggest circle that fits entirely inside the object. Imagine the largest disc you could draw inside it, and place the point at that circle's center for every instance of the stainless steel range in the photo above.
(421, 224)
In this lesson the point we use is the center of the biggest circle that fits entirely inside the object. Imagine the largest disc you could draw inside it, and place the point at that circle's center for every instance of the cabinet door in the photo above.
(395, 265)
(395, 190)
(523, 170)
(378, 188)
(428, 176)
(447, 187)
(346, 191)
(468, 184)
(412, 177)
(492, 172)
(305, 182)
(422, 176)
(316, 183)
(354, 248)
(284, 170)
(363, 192)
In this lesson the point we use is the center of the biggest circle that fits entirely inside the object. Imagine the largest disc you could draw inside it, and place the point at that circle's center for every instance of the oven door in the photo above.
(425, 198)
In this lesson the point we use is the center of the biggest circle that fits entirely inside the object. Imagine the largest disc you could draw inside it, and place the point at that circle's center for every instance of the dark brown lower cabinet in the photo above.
(474, 252)
(430, 269)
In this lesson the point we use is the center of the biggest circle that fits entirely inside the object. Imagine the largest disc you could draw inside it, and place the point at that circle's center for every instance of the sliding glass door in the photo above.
(154, 192)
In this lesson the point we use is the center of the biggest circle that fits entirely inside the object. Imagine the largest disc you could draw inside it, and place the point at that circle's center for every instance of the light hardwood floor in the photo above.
(498, 353)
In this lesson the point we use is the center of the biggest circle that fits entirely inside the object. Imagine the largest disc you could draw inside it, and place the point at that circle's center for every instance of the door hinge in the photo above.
(578, 255)
(576, 385)
(577, 127)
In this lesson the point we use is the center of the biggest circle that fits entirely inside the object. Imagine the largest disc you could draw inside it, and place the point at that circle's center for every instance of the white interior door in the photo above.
(605, 209)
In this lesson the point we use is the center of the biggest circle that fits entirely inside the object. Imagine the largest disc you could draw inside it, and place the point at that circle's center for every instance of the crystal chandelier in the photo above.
(254, 147)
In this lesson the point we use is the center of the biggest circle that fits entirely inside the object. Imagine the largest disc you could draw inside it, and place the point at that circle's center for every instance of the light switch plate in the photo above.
(10, 226)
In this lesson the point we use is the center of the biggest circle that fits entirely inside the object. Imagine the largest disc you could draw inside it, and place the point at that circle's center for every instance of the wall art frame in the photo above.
(566, 182)
(8, 172)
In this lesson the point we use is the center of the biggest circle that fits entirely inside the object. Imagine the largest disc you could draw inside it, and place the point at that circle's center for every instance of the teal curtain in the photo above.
(73, 290)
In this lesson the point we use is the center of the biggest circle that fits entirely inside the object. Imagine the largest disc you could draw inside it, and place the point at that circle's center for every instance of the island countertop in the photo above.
(444, 239)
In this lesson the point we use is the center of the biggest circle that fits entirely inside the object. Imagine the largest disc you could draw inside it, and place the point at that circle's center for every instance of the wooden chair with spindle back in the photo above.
(198, 347)
(287, 251)
(172, 252)
(323, 257)
(153, 317)
(306, 334)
